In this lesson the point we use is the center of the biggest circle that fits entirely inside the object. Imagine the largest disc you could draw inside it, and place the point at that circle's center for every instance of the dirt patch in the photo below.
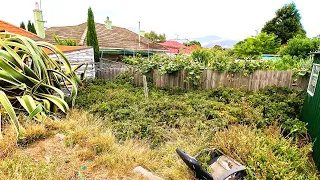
(53, 150)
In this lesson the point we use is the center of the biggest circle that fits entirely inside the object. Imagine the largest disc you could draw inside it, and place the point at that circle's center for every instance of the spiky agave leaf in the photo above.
(29, 75)
(12, 114)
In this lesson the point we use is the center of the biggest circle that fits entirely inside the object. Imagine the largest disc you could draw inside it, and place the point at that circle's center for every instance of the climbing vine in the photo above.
(219, 60)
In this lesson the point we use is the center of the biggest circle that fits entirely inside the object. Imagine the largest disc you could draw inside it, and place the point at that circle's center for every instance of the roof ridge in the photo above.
(19, 28)
(66, 26)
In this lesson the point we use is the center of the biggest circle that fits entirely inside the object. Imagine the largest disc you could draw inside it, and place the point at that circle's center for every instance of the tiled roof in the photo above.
(4, 26)
(65, 32)
(173, 44)
(66, 48)
(115, 38)
(175, 47)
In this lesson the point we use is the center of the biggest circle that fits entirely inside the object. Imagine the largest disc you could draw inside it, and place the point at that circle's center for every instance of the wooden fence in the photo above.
(211, 79)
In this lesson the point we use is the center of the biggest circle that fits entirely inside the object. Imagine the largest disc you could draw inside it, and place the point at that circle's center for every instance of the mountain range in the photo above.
(206, 41)
(212, 40)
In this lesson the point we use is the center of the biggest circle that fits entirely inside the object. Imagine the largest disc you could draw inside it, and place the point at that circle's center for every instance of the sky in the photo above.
(228, 19)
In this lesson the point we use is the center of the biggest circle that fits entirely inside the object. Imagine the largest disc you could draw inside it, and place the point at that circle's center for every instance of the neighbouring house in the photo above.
(175, 48)
(114, 42)
(311, 111)
(76, 56)
(7, 27)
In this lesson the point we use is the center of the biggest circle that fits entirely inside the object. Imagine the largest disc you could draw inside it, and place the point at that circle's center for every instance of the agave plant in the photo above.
(31, 82)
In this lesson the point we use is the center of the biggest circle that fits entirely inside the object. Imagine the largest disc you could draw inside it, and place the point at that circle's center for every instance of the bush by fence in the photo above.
(210, 79)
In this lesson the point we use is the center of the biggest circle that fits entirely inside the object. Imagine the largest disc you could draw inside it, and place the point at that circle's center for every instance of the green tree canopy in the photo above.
(31, 27)
(286, 24)
(255, 46)
(92, 39)
(191, 43)
(22, 25)
(300, 46)
(218, 47)
(154, 37)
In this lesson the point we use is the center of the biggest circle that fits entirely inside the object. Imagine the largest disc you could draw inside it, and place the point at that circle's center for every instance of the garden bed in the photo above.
(117, 129)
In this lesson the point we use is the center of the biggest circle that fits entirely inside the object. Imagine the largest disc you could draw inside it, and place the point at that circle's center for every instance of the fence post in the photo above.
(145, 86)
(100, 64)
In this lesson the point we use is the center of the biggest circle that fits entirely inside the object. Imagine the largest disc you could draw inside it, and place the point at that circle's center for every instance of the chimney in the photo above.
(108, 23)
(38, 21)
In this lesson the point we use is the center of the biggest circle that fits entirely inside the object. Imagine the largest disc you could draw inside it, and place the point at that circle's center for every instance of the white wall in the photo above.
(81, 56)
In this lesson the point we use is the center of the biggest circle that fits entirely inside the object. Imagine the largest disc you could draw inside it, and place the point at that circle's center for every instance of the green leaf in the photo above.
(62, 105)
(36, 112)
(8, 107)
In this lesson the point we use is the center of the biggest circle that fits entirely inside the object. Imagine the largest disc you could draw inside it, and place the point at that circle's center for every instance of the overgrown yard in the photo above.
(122, 130)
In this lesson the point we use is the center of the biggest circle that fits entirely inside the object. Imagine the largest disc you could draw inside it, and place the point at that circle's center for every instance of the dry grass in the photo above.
(266, 153)
(88, 142)
(8, 144)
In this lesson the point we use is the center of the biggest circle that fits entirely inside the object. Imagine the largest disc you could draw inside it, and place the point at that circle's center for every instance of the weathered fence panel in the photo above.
(209, 79)
(109, 69)
(301, 83)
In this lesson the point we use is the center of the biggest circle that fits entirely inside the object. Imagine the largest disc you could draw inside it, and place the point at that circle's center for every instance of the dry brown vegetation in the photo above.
(89, 143)
(123, 130)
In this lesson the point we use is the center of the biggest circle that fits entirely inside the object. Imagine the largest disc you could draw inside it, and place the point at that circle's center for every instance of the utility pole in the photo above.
(139, 34)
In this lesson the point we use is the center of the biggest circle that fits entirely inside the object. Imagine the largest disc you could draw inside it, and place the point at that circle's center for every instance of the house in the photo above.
(114, 42)
(175, 47)
(311, 111)
(7, 27)
(75, 54)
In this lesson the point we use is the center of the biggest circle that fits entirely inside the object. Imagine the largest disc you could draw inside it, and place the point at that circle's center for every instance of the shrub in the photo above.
(254, 47)
(266, 154)
(300, 46)
(65, 42)
(124, 108)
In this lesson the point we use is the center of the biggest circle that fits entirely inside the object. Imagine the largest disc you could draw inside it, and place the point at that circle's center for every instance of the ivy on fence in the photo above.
(220, 60)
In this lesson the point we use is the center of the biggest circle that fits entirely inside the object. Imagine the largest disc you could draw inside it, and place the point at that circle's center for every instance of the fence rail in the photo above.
(210, 79)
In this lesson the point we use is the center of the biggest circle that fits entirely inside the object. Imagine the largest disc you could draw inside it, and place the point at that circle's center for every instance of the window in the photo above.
(313, 79)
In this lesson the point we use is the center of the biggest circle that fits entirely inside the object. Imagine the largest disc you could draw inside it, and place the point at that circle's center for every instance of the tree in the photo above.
(300, 46)
(154, 37)
(286, 24)
(92, 39)
(22, 25)
(191, 43)
(255, 46)
(218, 47)
(31, 27)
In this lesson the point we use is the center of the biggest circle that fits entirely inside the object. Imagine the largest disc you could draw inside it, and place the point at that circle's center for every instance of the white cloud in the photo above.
(232, 19)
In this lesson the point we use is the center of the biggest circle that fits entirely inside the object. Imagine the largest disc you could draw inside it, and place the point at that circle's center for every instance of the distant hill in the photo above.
(212, 40)
(206, 41)
(225, 43)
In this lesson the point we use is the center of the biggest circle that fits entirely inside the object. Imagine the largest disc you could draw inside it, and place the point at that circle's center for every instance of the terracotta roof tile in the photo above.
(4, 26)
(117, 37)
(175, 47)
(66, 48)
